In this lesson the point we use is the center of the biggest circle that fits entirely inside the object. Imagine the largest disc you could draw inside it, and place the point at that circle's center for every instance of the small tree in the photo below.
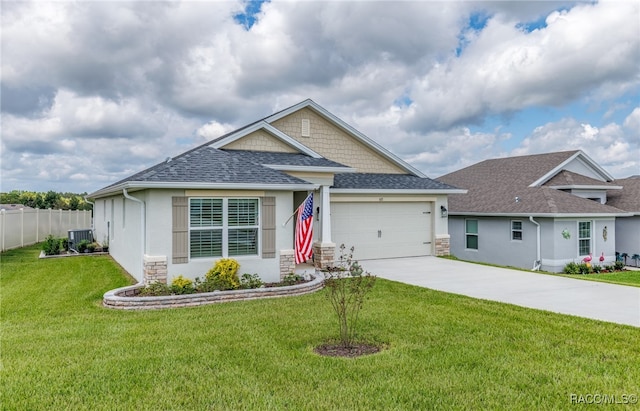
(347, 286)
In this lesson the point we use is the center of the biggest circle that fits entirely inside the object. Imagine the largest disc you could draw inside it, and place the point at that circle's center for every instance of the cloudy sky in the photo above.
(93, 91)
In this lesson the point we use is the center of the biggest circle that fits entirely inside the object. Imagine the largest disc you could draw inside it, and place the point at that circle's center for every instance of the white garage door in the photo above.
(382, 230)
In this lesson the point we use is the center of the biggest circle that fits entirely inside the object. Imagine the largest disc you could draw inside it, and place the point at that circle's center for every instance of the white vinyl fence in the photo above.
(19, 228)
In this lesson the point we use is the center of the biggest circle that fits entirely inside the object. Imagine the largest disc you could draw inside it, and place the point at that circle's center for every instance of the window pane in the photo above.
(243, 212)
(243, 241)
(472, 226)
(516, 235)
(206, 243)
(205, 212)
(584, 247)
(472, 242)
(516, 225)
(584, 229)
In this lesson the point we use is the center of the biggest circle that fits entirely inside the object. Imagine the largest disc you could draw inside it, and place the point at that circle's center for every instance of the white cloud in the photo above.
(112, 87)
(506, 69)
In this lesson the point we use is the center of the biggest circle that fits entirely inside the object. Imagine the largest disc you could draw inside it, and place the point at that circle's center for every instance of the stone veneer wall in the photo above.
(324, 255)
(126, 298)
(287, 263)
(155, 269)
(443, 245)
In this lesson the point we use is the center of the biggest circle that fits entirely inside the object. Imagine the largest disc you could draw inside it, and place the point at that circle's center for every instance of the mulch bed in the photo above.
(338, 350)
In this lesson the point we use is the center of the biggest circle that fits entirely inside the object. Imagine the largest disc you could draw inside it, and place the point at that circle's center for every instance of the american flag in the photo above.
(304, 230)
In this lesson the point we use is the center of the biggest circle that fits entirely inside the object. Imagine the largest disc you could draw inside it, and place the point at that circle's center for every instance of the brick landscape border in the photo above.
(125, 298)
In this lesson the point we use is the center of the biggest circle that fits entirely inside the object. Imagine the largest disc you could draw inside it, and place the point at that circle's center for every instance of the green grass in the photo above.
(631, 278)
(62, 350)
(623, 277)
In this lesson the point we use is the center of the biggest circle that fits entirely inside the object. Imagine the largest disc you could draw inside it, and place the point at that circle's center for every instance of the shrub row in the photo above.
(584, 268)
(222, 276)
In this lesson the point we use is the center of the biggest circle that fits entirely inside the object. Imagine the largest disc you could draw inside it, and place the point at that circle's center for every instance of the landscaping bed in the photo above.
(129, 298)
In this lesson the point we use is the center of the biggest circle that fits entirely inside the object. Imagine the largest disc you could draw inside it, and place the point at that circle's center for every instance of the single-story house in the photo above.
(535, 212)
(233, 196)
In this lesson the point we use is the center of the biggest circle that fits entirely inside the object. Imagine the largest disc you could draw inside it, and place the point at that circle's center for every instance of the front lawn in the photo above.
(62, 350)
(629, 277)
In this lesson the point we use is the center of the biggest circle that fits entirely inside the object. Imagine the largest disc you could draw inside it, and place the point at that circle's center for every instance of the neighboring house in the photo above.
(233, 196)
(627, 228)
(538, 211)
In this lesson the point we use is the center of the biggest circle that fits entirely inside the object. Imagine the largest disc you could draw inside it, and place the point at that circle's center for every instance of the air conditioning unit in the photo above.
(75, 236)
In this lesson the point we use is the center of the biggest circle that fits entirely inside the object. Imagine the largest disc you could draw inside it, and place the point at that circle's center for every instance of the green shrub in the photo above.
(584, 268)
(64, 244)
(250, 281)
(224, 274)
(291, 279)
(571, 268)
(618, 265)
(597, 269)
(91, 247)
(181, 285)
(155, 289)
(51, 245)
(82, 245)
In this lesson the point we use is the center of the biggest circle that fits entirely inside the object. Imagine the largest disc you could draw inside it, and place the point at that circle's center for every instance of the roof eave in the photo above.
(220, 143)
(395, 191)
(546, 177)
(549, 215)
(141, 185)
(585, 187)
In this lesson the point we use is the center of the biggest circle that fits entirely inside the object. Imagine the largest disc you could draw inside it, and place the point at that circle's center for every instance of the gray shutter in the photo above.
(180, 230)
(268, 227)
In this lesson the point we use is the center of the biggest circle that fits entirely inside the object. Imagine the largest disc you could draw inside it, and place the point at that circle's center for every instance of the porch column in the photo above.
(325, 215)
(324, 248)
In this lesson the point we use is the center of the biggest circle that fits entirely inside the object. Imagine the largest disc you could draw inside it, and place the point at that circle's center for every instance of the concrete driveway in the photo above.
(607, 302)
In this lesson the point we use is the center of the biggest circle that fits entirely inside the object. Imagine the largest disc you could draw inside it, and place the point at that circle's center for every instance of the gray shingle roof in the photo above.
(493, 186)
(387, 182)
(628, 198)
(205, 164)
(283, 159)
(568, 178)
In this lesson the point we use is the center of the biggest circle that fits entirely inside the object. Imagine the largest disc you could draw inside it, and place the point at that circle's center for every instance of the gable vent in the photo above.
(306, 128)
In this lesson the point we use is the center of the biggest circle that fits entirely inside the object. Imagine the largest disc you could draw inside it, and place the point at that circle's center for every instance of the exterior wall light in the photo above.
(443, 211)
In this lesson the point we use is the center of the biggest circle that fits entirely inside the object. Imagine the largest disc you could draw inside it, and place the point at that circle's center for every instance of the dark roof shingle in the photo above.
(502, 186)
(628, 198)
(387, 182)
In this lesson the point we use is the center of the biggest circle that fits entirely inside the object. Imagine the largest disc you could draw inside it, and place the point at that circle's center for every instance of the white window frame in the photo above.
(516, 230)
(225, 228)
(589, 239)
(467, 234)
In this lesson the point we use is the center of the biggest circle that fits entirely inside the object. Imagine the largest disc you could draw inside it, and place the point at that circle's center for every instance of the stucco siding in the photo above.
(564, 242)
(159, 219)
(333, 143)
(117, 220)
(628, 235)
(496, 246)
(494, 241)
(260, 141)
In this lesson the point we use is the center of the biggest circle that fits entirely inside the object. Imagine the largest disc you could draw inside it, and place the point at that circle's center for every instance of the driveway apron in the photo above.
(600, 301)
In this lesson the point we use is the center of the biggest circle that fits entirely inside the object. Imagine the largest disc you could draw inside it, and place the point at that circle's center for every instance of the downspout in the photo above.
(538, 262)
(143, 223)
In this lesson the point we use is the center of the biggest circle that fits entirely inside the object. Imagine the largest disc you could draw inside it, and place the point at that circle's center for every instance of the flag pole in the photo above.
(296, 210)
